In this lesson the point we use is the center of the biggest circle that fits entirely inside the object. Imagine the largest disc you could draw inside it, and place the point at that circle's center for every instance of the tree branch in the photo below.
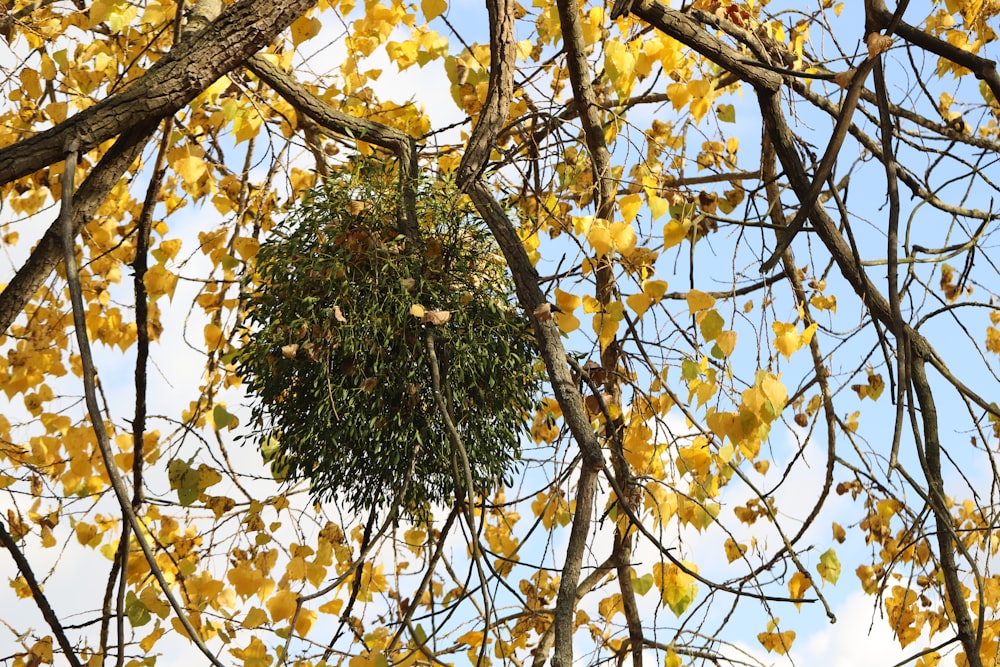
(39, 596)
(171, 83)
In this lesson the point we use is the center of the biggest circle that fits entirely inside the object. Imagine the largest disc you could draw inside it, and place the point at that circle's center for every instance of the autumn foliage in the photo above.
(426, 333)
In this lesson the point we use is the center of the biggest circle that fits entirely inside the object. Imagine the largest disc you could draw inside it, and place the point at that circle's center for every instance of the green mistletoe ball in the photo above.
(339, 311)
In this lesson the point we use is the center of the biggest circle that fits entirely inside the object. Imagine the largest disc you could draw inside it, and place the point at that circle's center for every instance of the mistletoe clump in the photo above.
(340, 313)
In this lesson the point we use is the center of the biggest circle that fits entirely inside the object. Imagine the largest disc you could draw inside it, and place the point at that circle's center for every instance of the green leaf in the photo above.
(222, 417)
(726, 113)
(829, 566)
(679, 598)
(711, 325)
(642, 584)
(138, 614)
(184, 479)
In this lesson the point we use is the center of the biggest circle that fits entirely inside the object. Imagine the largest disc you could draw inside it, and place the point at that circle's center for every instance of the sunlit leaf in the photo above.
(698, 301)
(433, 8)
(829, 566)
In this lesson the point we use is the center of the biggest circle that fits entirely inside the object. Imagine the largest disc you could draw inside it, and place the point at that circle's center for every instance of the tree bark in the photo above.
(48, 253)
(176, 79)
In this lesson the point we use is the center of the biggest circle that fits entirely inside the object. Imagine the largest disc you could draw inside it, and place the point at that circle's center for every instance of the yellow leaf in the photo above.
(282, 605)
(630, 205)
(734, 551)
(774, 391)
(851, 424)
(155, 14)
(188, 164)
(726, 341)
(699, 88)
(700, 106)
(415, 538)
(433, 8)
(471, 638)
(821, 302)
(246, 247)
(404, 54)
(41, 651)
(657, 205)
(254, 655)
(678, 589)
(623, 237)
(599, 238)
(798, 585)
(305, 621)
(655, 289)
(678, 95)
(31, 83)
(255, 618)
(369, 660)
(788, 340)
(246, 124)
(168, 250)
(159, 281)
(839, 533)
(149, 640)
(698, 301)
(610, 606)
(303, 28)
(674, 232)
(605, 327)
(567, 322)
(301, 180)
(213, 335)
(417, 310)
(640, 303)
(779, 642)
(567, 302)
(332, 607)
(245, 578)
(619, 63)
(929, 660)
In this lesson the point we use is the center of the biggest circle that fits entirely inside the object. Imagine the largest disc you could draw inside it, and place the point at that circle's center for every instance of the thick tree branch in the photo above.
(686, 30)
(826, 164)
(48, 253)
(240, 31)
(968, 635)
(498, 95)
(611, 356)
(346, 125)
(983, 68)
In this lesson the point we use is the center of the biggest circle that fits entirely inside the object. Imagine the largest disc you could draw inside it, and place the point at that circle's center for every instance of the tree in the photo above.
(717, 324)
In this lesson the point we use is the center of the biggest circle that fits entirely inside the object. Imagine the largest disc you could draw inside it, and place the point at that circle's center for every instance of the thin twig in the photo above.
(90, 393)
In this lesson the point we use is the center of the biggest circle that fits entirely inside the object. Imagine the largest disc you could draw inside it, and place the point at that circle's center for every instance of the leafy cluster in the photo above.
(340, 313)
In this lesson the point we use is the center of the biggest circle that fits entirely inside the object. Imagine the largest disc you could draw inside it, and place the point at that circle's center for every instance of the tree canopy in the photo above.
(648, 332)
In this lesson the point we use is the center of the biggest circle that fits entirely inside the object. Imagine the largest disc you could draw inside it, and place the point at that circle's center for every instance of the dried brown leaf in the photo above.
(877, 43)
